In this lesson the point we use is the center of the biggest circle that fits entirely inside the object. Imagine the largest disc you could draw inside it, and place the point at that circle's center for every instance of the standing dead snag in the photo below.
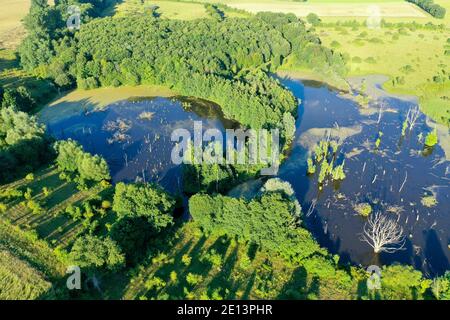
(383, 234)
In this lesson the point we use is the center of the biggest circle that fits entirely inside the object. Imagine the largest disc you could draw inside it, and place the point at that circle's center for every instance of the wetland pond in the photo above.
(134, 137)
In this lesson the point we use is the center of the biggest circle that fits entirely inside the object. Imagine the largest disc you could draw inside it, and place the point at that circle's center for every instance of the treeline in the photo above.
(432, 8)
(223, 61)
(20, 98)
(268, 220)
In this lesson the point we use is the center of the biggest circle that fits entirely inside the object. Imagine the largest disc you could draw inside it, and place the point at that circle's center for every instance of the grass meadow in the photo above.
(198, 266)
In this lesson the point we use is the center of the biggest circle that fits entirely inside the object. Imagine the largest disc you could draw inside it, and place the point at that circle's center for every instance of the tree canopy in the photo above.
(93, 252)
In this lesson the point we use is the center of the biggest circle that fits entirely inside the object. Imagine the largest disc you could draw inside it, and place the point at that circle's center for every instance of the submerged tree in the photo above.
(383, 234)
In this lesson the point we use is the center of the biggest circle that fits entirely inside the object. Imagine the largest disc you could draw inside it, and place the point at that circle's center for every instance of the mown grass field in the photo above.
(335, 9)
(51, 225)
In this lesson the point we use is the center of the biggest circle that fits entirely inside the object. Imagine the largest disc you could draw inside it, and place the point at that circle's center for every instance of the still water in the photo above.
(373, 176)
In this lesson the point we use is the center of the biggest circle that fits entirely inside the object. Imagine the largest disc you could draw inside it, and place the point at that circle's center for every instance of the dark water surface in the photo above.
(139, 148)
(334, 221)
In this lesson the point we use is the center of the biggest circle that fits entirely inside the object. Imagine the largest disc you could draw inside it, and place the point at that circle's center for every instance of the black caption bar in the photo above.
(180, 310)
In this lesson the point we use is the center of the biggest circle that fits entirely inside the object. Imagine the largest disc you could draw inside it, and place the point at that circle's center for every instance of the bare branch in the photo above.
(383, 234)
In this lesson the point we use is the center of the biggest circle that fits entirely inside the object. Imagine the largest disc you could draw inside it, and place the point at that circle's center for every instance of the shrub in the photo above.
(186, 260)
(106, 204)
(335, 44)
(441, 287)
(155, 283)
(429, 201)
(371, 60)
(173, 276)
(431, 138)
(214, 258)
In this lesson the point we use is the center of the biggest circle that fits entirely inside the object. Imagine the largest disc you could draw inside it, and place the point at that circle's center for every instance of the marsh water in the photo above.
(134, 137)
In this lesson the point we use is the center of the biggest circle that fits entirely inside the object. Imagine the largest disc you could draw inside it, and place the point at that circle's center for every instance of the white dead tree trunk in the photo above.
(383, 234)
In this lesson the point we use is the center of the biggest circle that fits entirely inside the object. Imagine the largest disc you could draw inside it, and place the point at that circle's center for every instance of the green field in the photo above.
(411, 56)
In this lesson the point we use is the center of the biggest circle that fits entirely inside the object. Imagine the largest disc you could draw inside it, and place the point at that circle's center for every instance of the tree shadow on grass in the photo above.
(223, 280)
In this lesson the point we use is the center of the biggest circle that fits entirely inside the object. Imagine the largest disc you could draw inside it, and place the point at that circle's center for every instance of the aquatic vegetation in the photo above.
(429, 201)
(338, 172)
(325, 154)
(146, 115)
(378, 141)
(311, 166)
(404, 127)
(431, 139)
(363, 209)
(395, 209)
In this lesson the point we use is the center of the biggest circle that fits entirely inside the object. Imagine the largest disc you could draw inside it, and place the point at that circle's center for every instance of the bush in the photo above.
(441, 287)
(186, 260)
(335, 44)
(371, 60)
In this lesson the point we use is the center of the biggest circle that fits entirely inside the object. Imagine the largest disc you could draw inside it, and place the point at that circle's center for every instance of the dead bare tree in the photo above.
(383, 234)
